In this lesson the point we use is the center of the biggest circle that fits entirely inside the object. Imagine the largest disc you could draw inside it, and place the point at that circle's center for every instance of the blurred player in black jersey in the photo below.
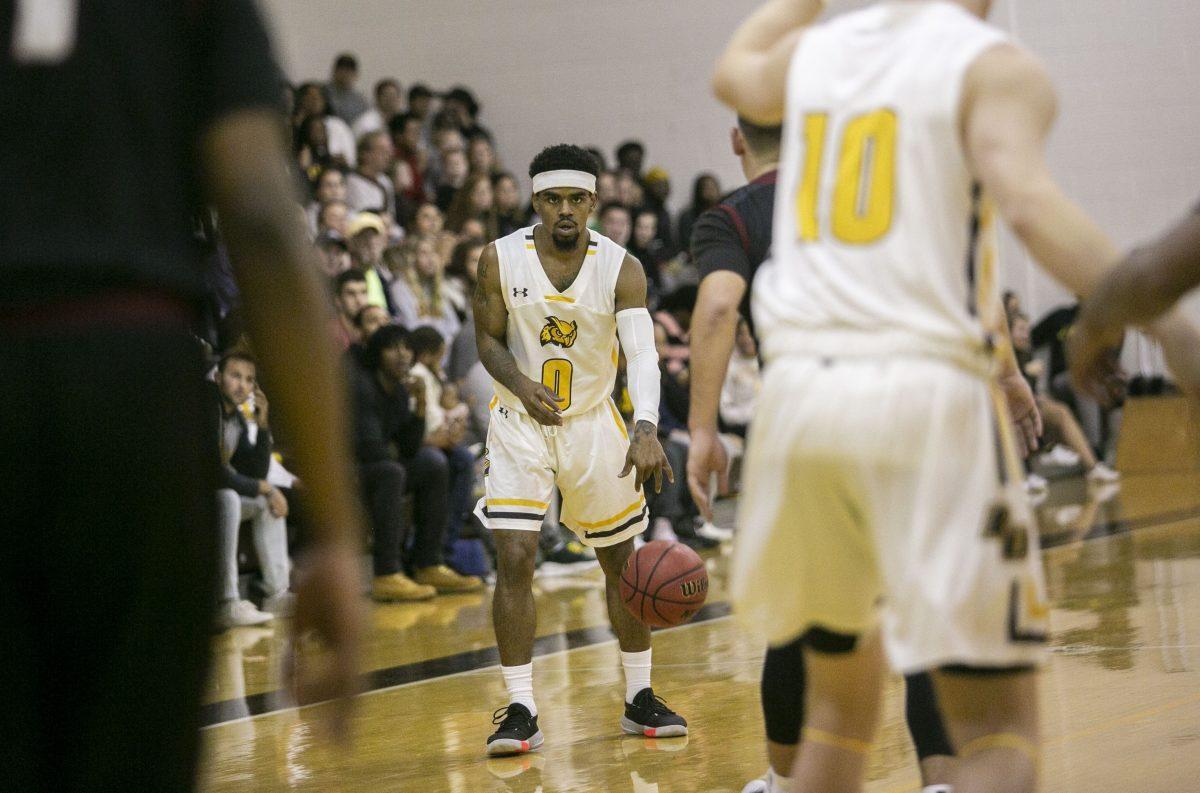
(120, 119)
(729, 242)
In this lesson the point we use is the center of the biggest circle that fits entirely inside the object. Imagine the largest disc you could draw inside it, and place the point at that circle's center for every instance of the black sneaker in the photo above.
(518, 731)
(567, 559)
(648, 715)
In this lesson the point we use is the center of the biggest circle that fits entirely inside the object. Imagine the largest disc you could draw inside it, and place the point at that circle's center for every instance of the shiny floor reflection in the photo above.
(1120, 695)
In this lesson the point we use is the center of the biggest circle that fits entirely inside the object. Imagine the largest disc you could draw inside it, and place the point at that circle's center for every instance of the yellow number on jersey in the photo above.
(556, 375)
(866, 178)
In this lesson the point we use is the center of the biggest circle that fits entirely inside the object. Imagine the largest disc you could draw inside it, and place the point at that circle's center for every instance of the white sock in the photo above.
(519, 682)
(777, 783)
(937, 789)
(637, 672)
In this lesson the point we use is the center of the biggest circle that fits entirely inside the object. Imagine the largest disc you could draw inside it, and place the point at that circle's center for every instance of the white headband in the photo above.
(548, 179)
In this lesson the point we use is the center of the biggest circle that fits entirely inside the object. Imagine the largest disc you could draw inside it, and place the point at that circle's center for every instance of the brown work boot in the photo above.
(446, 580)
(398, 586)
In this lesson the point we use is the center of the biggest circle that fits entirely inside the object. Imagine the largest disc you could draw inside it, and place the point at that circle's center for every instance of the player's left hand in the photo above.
(328, 610)
(1022, 407)
(647, 456)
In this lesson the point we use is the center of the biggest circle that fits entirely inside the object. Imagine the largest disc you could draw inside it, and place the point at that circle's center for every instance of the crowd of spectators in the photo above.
(403, 191)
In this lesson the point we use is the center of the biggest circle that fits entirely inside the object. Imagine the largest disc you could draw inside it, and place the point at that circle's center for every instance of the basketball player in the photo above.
(550, 304)
(1142, 288)
(729, 244)
(873, 472)
(120, 116)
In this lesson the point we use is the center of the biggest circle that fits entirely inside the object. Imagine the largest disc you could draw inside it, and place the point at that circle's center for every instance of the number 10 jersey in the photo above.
(876, 213)
(566, 340)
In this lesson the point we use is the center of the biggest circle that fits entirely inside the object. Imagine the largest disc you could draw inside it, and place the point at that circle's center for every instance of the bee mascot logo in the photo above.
(556, 331)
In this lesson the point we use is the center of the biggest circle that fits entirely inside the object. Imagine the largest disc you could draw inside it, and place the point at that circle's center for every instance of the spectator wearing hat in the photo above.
(335, 255)
(388, 101)
(369, 187)
(346, 103)
(367, 236)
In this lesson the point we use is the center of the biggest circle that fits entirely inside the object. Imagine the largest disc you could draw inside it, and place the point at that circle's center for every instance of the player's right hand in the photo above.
(706, 456)
(540, 402)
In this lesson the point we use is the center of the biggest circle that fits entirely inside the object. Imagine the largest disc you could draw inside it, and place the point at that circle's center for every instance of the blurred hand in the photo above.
(277, 503)
(1092, 352)
(706, 456)
(1022, 407)
(260, 406)
(329, 610)
(416, 389)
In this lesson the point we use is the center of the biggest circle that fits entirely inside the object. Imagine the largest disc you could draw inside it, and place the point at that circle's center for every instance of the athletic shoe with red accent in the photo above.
(648, 715)
(518, 731)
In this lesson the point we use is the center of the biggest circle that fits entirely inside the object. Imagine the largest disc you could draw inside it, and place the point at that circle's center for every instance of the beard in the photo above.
(565, 243)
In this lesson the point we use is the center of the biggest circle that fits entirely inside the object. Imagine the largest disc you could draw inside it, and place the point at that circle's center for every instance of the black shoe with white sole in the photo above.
(649, 715)
(517, 732)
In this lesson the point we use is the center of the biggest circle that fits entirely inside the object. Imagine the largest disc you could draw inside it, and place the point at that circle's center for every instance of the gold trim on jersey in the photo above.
(559, 298)
(493, 403)
(634, 507)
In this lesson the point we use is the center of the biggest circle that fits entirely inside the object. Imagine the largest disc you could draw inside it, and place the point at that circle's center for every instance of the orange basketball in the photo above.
(664, 583)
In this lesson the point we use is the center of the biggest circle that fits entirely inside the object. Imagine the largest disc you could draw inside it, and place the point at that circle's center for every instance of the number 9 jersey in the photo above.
(566, 340)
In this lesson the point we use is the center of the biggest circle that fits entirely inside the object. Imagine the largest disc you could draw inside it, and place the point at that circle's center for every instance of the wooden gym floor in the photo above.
(1120, 694)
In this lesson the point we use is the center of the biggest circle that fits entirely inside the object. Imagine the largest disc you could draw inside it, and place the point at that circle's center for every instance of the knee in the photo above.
(516, 561)
(229, 506)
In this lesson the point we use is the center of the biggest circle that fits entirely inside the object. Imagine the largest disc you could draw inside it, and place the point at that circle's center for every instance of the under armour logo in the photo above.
(520, 292)
(504, 412)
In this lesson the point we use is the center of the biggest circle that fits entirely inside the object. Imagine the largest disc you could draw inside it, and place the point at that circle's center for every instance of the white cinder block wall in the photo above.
(599, 71)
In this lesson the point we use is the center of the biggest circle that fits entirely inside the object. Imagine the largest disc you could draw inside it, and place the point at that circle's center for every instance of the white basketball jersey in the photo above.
(876, 213)
(566, 340)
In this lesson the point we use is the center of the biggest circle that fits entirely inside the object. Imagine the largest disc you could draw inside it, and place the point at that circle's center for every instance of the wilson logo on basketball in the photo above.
(690, 588)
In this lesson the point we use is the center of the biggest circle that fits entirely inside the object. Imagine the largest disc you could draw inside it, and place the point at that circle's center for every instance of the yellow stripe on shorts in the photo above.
(635, 506)
(516, 502)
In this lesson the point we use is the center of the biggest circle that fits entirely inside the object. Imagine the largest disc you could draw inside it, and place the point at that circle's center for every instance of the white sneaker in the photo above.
(937, 789)
(756, 785)
(714, 533)
(1101, 474)
(240, 613)
(1036, 484)
(1060, 456)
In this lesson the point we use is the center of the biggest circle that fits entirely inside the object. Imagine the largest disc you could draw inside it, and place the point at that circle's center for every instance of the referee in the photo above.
(121, 118)
(729, 243)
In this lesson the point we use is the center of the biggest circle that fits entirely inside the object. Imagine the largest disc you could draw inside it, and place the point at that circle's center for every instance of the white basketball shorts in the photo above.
(525, 460)
(876, 493)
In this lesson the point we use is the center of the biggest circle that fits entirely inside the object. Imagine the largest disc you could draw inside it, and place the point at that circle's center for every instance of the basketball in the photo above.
(664, 583)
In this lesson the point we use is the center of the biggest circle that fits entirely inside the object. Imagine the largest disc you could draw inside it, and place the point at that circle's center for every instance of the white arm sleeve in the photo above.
(636, 332)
